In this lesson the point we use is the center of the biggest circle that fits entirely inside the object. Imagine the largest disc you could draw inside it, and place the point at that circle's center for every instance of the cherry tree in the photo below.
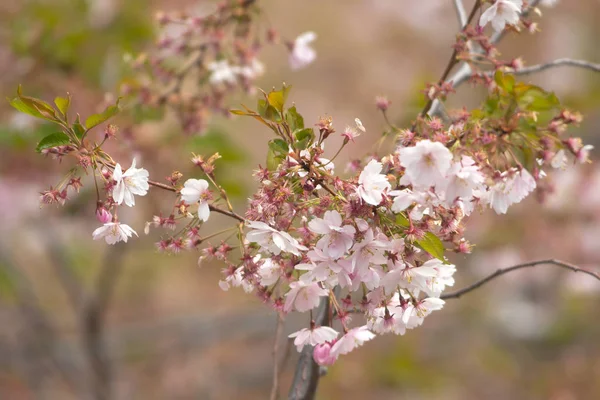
(360, 254)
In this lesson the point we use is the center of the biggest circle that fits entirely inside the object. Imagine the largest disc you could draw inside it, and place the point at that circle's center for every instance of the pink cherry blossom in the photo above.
(322, 354)
(337, 239)
(355, 337)
(303, 296)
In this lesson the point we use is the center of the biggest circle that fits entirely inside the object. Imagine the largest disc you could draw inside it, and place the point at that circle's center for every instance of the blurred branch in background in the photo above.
(478, 284)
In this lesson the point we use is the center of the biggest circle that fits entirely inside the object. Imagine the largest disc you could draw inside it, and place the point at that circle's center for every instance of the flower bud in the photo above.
(102, 214)
(322, 354)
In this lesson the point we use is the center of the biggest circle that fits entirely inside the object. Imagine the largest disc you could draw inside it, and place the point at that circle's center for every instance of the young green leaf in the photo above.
(433, 245)
(63, 104)
(97, 119)
(53, 140)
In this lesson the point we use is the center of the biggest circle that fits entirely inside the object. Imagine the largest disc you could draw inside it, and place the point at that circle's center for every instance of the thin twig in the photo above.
(556, 63)
(278, 331)
(465, 71)
(451, 63)
(502, 271)
(461, 13)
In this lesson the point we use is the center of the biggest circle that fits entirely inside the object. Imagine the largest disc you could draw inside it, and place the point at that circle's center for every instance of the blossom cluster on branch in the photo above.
(373, 243)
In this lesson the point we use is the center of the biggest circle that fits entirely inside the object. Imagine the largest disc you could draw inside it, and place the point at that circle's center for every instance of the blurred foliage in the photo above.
(68, 35)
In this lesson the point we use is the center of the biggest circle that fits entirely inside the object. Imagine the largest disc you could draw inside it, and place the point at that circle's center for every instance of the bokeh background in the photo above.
(82, 320)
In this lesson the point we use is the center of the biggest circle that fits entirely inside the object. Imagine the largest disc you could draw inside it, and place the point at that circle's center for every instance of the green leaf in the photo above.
(277, 98)
(402, 221)
(279, 146)
(97, 119)
(534, 98)
(43, 108)
(293, 119)
(79, 129)
(241, 112)
(304, 138)
(53, 140)
(505, 81)
(63, 104)
(433, 245)
(268, 112)
(24, 108)
(278, 150)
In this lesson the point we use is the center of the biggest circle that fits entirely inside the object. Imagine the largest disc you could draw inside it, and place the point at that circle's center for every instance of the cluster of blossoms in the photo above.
(372, 245)
(217, 54)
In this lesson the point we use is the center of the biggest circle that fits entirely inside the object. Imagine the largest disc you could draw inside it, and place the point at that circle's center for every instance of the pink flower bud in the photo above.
(322, 354)
(102, 215)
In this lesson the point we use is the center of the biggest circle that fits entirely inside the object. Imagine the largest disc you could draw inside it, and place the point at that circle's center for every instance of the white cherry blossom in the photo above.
(222, 72)
(426, 164)
(372, 183)
(301, 54)
(501, 13)
(132, 182)
(114, 232)
(273, 240)
(313, 337)
(195, 191)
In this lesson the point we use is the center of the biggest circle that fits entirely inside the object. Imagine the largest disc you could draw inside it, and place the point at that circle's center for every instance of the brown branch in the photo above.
(465, 71)
(212, 207)
(451, 63)
(276, 365)
(93, 322)
(306, 377)
(502, 271)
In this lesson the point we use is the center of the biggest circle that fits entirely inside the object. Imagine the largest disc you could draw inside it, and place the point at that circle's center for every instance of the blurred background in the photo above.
(79, 321)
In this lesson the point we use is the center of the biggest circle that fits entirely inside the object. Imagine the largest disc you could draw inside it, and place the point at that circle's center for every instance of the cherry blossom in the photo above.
(426, 164)
(313, 336)
(322, 354)
(464, 178)
(222, 72)
(337, 239)
(301, 54)
(303, 296)
(196, 191)
(114, 232)
(372, 183)
(352, 339)
(269, 272)
(501, 13)
(134, 181)
(273, 240)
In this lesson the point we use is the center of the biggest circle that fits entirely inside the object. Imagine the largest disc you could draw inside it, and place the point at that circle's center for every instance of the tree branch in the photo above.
(557, 63)
(465, 71)
(502, 271)
(278, 331)
(461, 13)
(306, 377)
